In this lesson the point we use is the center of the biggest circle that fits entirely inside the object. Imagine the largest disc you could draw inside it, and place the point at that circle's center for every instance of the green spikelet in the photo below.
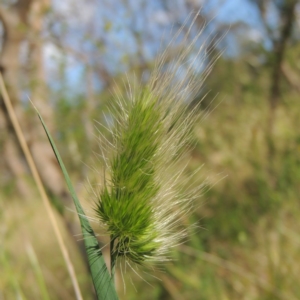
(125, 207)
(139, 205)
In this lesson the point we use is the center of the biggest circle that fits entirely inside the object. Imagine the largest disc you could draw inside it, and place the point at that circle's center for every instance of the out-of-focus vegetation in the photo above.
(247, 245)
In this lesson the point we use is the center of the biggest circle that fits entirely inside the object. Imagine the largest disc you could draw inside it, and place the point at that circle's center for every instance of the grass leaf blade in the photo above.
(102, 280)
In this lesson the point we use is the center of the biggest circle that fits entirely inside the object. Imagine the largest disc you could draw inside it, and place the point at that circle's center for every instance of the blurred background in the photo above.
(68, 57)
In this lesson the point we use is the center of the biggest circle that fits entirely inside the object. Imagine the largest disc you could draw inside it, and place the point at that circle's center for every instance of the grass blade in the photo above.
(38, 272)
(102, 280)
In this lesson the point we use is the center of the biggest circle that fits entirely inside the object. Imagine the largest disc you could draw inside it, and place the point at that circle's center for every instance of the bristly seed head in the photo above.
(139, 204)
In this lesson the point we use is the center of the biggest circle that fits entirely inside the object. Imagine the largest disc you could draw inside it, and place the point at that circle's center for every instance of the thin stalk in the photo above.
(38, 272)
(113, 258)
(40, 187)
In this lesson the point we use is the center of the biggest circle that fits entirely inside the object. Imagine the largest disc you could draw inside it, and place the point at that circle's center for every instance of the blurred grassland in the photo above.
(248, 244)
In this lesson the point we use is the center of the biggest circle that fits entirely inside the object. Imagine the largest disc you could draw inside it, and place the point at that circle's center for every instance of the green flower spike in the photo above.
(140, 205)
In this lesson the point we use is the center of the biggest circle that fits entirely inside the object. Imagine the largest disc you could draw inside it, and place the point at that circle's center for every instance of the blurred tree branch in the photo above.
(279, 35)
(287, 17)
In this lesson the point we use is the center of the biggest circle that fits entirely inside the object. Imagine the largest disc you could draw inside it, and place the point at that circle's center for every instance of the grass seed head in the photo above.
(140, 205)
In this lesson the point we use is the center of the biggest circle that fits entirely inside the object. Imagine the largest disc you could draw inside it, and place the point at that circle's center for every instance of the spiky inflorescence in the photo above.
(139, 204)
